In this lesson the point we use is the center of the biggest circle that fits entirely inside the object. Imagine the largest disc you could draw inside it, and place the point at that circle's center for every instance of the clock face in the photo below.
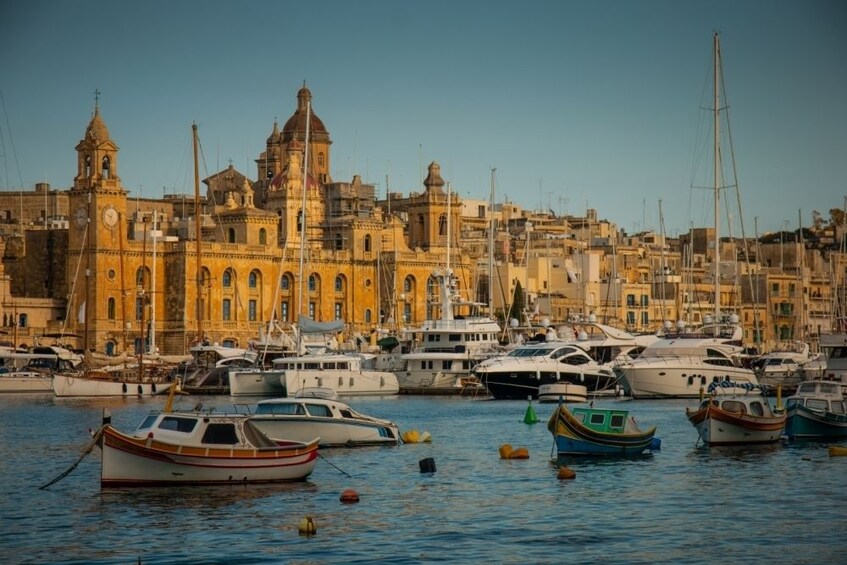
(81, 216)
(110, 216)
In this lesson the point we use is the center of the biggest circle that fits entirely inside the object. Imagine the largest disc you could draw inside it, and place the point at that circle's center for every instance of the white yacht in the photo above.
(347, 374)
(784, 366)
(834, 348)
(446, 349)
(680, 365)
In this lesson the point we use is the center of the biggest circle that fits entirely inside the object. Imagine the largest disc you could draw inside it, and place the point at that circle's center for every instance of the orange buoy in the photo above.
(349, 496)
(566, 473)
(519, 453)
(505, 450)
(307, 526)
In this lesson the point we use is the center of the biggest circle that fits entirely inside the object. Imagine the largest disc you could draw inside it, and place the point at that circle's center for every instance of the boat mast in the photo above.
(491, 247)
(716, 117)
(197, 228)
(303, 206)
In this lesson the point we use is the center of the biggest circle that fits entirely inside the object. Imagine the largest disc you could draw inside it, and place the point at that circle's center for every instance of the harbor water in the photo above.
(784, 503)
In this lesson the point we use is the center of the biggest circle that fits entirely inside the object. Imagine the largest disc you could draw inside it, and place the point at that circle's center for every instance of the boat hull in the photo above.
(562, 392)
(71, 386)
(345, 383)
(803, 422)
(9, 383)
(574, 438)
(131, 461)
(520, 385)
(256, 382)
(663, 380)
(719, 427)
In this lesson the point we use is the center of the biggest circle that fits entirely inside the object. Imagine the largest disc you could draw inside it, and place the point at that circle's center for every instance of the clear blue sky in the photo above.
(577, 104)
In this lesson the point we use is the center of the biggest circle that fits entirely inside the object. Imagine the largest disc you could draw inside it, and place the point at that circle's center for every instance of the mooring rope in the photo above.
(86, 450)
(343, 472)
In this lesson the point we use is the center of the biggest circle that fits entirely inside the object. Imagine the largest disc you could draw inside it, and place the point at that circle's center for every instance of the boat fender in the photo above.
(153, 388)
(690, 380)
(307, 526)
(703, 380)
(123, 387)
(140, 390)
(411, 436)
(426, 437)
(655, 444)
(837, 451)
(505, 450)
(565, 473)
(427, 465)
(349, 496)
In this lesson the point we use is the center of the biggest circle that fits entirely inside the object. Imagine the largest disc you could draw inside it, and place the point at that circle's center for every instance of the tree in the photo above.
(836, 217)
(516, 311)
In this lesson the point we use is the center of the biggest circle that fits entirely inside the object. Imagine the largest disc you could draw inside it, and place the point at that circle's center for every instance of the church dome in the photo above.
(296, 124)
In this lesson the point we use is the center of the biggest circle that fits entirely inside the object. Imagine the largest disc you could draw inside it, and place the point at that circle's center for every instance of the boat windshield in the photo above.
(287, 409)
(531, 352)
(148, 422)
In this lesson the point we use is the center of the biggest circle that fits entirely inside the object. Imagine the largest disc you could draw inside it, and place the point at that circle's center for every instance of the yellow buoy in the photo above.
(411, 436)
(519, 453)
(505, 450)
(566, 473)
(837, 451)
(307, 526)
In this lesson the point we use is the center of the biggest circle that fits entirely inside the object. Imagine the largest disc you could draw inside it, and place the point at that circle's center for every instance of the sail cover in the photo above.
(309, 326)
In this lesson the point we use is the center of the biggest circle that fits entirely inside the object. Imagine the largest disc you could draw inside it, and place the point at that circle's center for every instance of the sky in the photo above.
(600, 104)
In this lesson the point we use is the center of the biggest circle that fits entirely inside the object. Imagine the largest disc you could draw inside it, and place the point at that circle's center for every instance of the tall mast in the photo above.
(491, 246)
(197, 228)
(303, 205)
(716, 116)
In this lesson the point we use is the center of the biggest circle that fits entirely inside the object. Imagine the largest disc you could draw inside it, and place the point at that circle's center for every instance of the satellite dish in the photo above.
(667, 325)
(545, 321)
(733, 319)
(513, 322)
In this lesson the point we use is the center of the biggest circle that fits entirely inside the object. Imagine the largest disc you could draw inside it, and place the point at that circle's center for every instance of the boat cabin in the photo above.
(821, 396)
(602, 420)
(201, 430)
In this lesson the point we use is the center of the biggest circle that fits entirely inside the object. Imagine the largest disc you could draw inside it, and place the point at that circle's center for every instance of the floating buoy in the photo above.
(307, 526)
(505, 450)
(519, 453)
(837, 451)
(566, 473)
(349, 496)
(411, 436)
(425, 438)
(427, 465)
(530, 417)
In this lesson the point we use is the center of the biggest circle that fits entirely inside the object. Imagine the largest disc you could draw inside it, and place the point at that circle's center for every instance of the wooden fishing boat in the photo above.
(736, 419)
(599, 431)
(816, 410)
(200, 448)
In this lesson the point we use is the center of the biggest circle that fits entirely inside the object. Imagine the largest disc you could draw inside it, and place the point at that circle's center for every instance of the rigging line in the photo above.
(11, 141)
(73, 286)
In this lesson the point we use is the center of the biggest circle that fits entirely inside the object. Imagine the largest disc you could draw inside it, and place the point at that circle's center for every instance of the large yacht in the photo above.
(445, 349)
(679, 365)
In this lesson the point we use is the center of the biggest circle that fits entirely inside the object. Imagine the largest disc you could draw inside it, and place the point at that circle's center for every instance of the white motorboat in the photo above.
(348, 374)
(685, 364)
(300, 419)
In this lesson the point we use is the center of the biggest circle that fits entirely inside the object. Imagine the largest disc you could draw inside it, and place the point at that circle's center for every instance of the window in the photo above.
(313, 283)
(320, 159)
(226, 309)
(368, 316)
(338, 310)
(263, 237)
(251, 310)
(283, 311)
(630, 300)
(139, 307)
(176, 424)
(226, 281)
(367, 244)
(645, 318)
(630, 317)
(319, 410)
(299, 220)
(22, 320)
(339, 283)
(442, 225)
(339, 242)
(221, 434)
(110, 348)
(407, 284)
(110, 308)
(231, 235)
(252, 279)
(285, 282)
(645, 300)
(407, 312)
(312, 309)
(107, 166)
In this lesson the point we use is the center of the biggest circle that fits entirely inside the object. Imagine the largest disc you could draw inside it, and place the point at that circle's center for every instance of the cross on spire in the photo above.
(96, 98)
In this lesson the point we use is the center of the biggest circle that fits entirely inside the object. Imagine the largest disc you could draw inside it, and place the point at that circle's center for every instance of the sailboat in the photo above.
(684, 364)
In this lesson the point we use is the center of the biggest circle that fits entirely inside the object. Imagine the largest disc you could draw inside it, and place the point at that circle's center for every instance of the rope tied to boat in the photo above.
(85, 451)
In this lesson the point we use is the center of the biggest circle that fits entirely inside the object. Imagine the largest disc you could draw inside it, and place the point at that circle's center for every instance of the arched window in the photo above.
(368, 316)
(408, 282)
(252, 279)
(321, 159)
(442, 225)
(110, 348)
(226, 280)
(88, 165)
(263, 237)
(339, 283)
(367, 244)
(231, 235)
(285, 282)
(110, 308)
(313, 283)
(107, 166)
(22, 320)
(226, 309)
